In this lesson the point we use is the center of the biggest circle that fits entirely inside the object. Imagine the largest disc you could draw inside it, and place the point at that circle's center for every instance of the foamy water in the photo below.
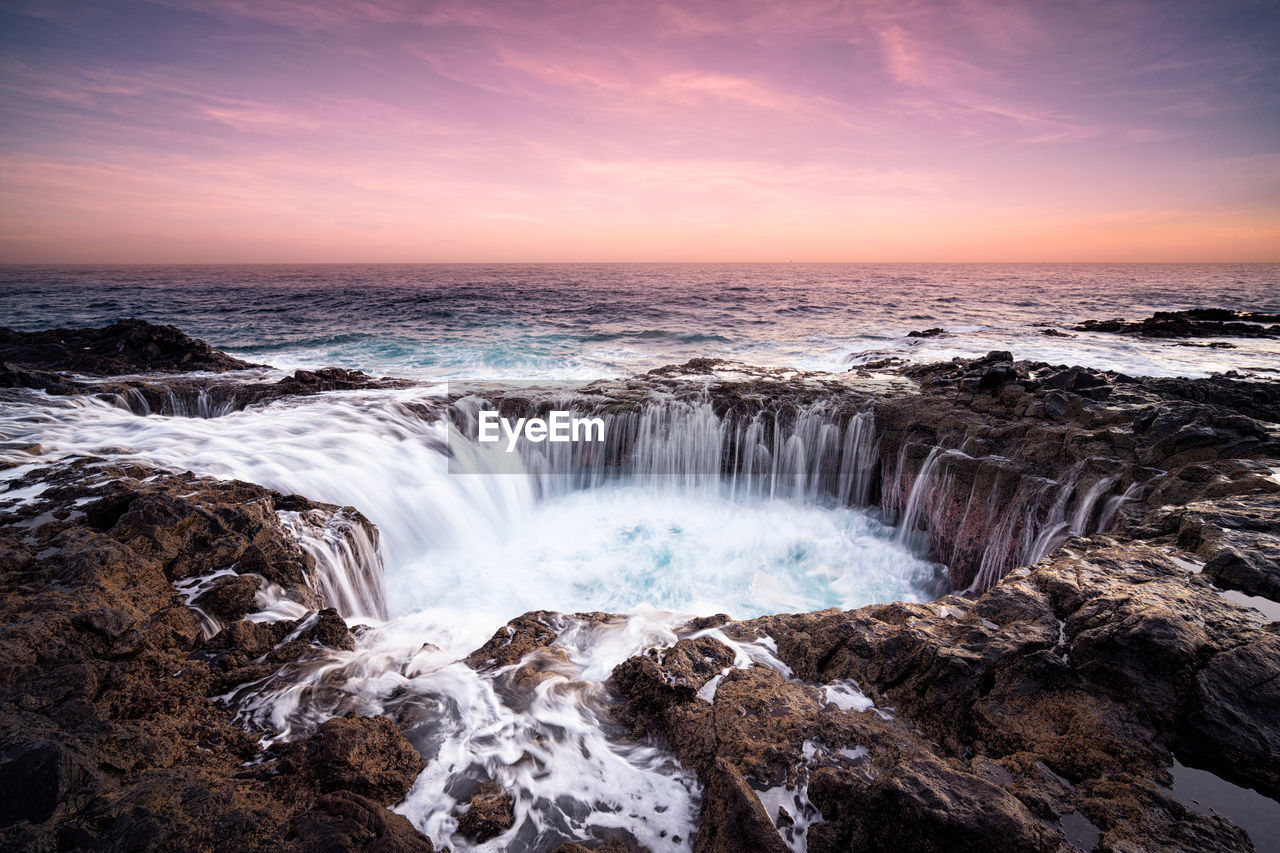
(500, 536)
(468, 546)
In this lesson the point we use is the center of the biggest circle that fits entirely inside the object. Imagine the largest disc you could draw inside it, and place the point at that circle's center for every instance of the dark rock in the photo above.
(344, 821)
(659, 679)
(1253, 399)
(35, 776)
(231, 598)
(1234, 716)
(1051, 700)
(1051, 696)
(928, 333)
(330, 630)
(108, 736)
(490, 813)
(1056, 405)
(365, 755)
(1198, 323)
(692, 366)
(522, 635)
(928, 806)
(1075, 379)
(1236, 532)
(732, 818)
(126, 346)
(64, 361)
(865, 368)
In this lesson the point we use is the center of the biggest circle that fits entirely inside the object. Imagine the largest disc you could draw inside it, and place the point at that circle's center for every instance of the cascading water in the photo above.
(679, 512)
(348, 565)
(813, 457)
(1007, 518)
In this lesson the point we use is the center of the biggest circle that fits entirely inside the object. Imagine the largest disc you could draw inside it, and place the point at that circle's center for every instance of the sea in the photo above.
(586, 321)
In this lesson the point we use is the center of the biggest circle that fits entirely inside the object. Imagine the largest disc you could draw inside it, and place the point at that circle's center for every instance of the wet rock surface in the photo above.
(489, 814)
(1043, 713)
(106, 363)
(126, 346)
(108, 736)
(1054, 701)
(1054, 445)
(196, 397)
(1196, 323)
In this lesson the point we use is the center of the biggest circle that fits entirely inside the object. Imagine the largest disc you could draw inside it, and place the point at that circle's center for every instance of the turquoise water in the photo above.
(588, 321)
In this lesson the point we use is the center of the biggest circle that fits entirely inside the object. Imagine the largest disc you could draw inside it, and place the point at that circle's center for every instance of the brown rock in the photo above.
(732, 818)
(344, 821)
(490, 813)
(107, 730)
(230, 598)
(365, 755)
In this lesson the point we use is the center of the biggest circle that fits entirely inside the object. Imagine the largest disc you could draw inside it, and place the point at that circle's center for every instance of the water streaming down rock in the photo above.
(199, 405)
(537, 723)
(921, 489)
(542, 712)
(1112, 505)
(464, 558)
(134, 401)
(997, 516)
(818, 452)
(984, 516)
(198, 402)
(980, 515)
(348, 563)
(192, 588)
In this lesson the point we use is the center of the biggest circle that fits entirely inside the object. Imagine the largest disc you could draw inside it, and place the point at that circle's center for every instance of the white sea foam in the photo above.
(463, 554)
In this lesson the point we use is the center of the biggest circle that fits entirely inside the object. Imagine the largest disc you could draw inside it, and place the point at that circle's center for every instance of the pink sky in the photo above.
(289, 130)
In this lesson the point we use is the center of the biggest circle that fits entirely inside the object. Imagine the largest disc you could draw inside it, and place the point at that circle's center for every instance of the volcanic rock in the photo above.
(76, 362)
(489, 814)
(108, 736)
(1197, 323)
(1058, 694)
(364, 755)
(126, 346)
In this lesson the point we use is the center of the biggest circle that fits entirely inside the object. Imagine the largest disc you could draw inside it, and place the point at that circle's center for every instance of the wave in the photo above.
(658, 335)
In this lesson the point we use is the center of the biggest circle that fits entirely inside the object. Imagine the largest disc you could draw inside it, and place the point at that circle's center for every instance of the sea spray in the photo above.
(651, 526)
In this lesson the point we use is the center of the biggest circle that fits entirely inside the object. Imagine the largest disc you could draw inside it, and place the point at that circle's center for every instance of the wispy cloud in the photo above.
(491, 123)
(902, 56)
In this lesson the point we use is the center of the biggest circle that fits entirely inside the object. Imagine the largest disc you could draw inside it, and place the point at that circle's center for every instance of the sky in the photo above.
(587, 130)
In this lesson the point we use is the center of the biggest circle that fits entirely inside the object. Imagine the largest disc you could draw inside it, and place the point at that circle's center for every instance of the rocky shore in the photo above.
(109, 737)
(1090, 522)
(109, 363)
(1196, 323)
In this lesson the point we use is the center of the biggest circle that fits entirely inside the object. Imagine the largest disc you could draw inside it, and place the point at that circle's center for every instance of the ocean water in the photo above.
(585, 321)
(471, 538)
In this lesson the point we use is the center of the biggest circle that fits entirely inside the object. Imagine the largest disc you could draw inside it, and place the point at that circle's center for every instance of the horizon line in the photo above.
(4, 263)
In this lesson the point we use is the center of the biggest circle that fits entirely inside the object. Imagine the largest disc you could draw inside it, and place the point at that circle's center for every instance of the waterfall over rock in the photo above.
(981, 515)
(348, 564)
